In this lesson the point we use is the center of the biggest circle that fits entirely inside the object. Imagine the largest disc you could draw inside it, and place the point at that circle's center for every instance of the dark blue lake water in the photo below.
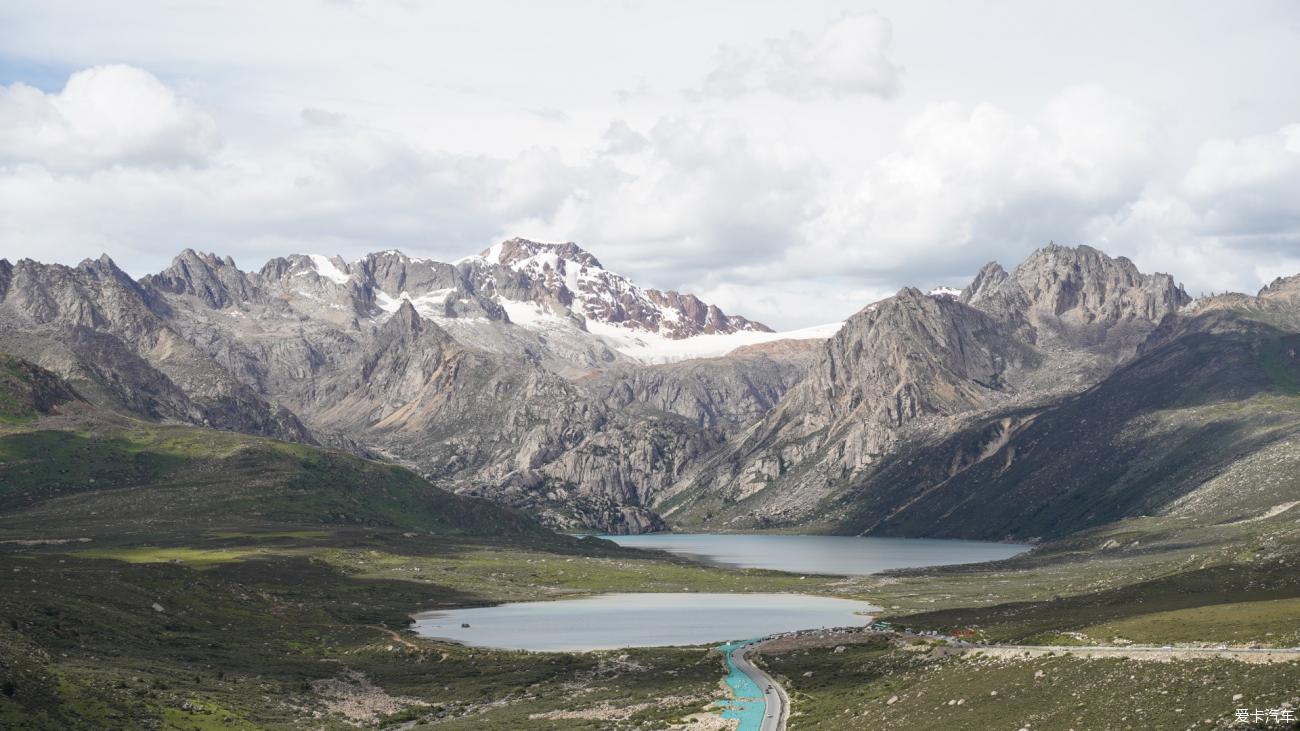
(846, 555)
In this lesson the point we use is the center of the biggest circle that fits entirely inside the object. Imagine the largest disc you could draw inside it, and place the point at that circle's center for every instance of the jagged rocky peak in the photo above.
(988, 282)
(317, 266)
(6, 275)
(1087, 285)
(87, 295)
(565, 276)
(214, 280)
(1282, 289)
(963, 347)
(1079, 296)
(516, 250)
(405, 322)
(395, 273)
(435, 289)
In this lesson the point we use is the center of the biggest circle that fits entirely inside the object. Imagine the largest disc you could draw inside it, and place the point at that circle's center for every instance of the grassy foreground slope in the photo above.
(891, 685)
(162, 576)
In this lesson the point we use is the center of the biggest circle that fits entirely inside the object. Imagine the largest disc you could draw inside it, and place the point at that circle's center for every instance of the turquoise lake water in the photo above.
(847, 555)
(611, 621)
(747, 704)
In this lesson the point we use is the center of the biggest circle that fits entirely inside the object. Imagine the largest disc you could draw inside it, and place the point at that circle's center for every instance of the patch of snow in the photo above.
(388, 303)
(945, 292)
(430, 303)
(571, 270)
(532, 316)
(328, 269)
(650, 347)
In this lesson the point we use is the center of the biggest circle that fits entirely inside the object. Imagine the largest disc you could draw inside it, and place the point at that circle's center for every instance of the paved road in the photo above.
(1243, 654)
(777, 702)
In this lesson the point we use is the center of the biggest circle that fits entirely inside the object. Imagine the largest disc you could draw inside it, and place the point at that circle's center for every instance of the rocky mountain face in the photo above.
(916, 364)
(27, 391)
(1077, 298)
(70, 468)
(109, 335)
(481, 374)
(531, 375)
(1201, 424)
(725, 395)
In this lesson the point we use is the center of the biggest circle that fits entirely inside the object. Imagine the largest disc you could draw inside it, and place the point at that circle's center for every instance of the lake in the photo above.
(847, 555)
(638, 620)
(649, 620)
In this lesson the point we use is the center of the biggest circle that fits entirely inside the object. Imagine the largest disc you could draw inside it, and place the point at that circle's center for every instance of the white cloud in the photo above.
(1231, 220)
(321, 117)
(105, 115)
(742, 202)
(682, 198)
(850, 56)
(970, 183)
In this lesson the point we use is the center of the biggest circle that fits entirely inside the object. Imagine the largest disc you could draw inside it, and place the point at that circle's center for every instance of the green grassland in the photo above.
(931, 689)
(164, 576)
(270, 641)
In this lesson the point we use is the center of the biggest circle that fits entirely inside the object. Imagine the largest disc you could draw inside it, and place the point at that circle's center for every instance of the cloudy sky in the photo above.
(789, 161)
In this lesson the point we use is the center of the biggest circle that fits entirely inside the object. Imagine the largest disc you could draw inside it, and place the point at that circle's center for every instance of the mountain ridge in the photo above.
(511, 374)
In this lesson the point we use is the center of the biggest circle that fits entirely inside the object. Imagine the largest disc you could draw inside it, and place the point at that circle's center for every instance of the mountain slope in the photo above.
(1163, 434)
(914, 365)
(71, 469)
(415, 359)
(97, 327)
(395, 355)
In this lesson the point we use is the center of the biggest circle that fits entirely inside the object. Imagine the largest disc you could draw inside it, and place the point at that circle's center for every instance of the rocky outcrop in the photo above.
(725, 395)
(1078, 298)
(214, 281)
(1142, 442)
(906, 359)
(1282, 290)
(27, 390)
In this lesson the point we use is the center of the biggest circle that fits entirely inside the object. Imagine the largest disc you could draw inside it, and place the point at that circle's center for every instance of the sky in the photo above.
(790, 162)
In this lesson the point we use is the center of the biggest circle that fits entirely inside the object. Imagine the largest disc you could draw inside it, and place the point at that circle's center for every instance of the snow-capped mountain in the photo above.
(567, 276)
(555, 302)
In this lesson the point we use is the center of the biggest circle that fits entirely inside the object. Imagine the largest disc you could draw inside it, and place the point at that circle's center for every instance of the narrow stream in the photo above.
(747, 704)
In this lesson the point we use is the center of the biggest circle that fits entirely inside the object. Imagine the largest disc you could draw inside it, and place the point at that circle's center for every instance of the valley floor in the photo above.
(257, 628)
